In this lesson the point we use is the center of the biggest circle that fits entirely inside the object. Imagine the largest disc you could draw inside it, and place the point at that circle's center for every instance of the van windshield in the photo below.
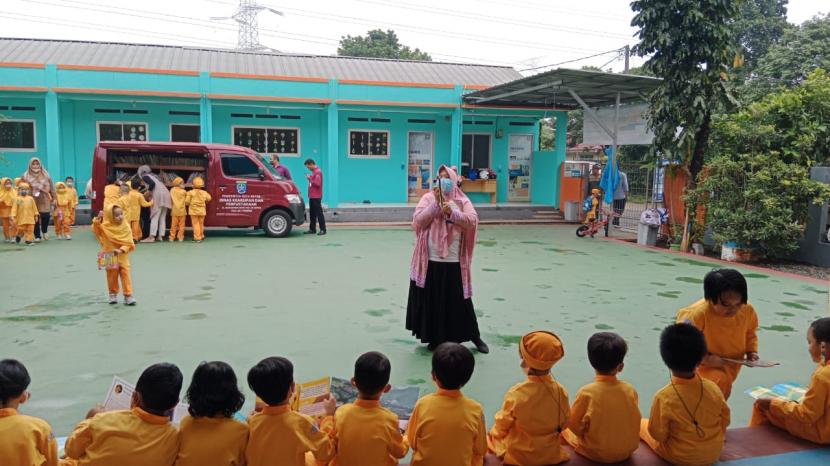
(266, 160)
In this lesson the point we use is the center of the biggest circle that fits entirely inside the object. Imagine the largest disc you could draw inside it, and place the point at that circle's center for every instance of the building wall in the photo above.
(814, 248)
(13, 162)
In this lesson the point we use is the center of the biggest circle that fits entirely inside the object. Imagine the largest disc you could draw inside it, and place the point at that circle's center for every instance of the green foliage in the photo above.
(759, 25)
(379, 44)
(547, 134)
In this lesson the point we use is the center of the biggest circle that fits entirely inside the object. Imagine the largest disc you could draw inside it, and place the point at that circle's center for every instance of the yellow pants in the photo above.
(26, 232)
(123, 271)
(9, 231)
(71, 216)
(62, 223)
(135, 225)
(198, 223)
(177, 228)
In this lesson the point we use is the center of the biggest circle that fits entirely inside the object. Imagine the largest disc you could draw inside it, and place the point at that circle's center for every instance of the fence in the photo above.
(641, 194)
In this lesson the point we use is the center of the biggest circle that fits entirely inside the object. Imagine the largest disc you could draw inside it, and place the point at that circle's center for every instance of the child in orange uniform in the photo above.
(689, 416)
(73, 197)
(112, 191)
(591, 215)
(24, 214)
(141, 436)
(135, 202)
(210, 435)
(178, 213)
(116, 238)
(447, 428)
(809, 419)
(197, 199)
(24, 440)
(604, 424)
(534, 412)
(63, 206)
(8, 194)
(365, 433)
(729, 324)
(279, 436)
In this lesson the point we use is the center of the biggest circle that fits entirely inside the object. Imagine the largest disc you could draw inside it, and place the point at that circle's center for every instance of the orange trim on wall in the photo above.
(120, 69)
(509, 107)
(268, 98)
(75, 90)
(397, 84)
(14, 64)
(269, 77)
(394, 104)
(23, 89)
(477, 87)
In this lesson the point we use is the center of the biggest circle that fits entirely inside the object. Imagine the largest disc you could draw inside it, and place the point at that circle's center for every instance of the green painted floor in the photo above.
(321, 301)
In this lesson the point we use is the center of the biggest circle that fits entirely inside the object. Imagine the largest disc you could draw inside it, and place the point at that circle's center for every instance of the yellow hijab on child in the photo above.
(63, 194)
(7, 195)
(119, 234)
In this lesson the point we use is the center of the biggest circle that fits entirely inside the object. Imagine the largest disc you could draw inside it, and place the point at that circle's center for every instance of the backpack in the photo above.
(588, 204)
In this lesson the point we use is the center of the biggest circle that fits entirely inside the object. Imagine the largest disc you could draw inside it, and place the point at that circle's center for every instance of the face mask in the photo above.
(446, 185)
(23, 192)
(69, 184)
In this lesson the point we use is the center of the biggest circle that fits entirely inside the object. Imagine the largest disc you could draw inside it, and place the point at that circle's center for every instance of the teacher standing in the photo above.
(43, 190)
(440, 306)
(162, 202)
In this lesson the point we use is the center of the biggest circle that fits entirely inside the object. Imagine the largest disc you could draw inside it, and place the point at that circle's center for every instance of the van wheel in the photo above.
(277, 224)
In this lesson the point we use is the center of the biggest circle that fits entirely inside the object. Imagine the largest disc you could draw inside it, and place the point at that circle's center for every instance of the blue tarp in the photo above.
(610, 176)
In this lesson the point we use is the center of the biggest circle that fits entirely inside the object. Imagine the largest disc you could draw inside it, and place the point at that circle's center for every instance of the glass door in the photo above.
(520, 148)
(419, 174)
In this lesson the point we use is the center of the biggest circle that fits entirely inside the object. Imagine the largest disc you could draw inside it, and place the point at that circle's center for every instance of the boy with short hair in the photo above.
(365, 433)
(178, 213)
(315, 198)
(140, 436)
(534, 412)
(73, 198)
(604, 423)
(447, 428)
(689, 416)
(277, 434)
(24, 214)
(24, 440)
(729, 324)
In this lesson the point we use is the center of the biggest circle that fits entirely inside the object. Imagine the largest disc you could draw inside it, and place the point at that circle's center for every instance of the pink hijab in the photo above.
(429, 222)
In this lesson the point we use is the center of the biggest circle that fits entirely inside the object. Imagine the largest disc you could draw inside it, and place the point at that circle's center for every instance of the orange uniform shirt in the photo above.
(809, 419)
(178, 195)
(212, 441)
(604, 423)
(367, 434)
(529, 422)
(197, 200)
(447, 428)
(135, 201)
(281, 437)
(26, 440)
(673, 434)
(24, 211)
(108, 246)
(124, 438)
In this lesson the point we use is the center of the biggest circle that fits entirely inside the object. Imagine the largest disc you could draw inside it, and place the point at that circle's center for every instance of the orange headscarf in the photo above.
(64, 197)
(118, 234)
(7, 195)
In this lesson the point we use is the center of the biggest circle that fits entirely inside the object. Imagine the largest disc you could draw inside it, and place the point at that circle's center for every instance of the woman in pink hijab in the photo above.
(440, 306)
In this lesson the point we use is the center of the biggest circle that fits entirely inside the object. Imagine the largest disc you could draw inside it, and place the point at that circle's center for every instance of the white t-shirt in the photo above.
(454, 247)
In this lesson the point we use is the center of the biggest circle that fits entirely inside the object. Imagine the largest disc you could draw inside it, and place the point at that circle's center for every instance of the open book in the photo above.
(749, 363)
(120, 396)
(788, 391)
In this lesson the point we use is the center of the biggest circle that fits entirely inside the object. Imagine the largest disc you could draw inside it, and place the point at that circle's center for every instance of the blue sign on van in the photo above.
(241, 187)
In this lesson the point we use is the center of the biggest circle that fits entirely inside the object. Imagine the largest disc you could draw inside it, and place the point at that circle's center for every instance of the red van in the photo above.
(246, 191)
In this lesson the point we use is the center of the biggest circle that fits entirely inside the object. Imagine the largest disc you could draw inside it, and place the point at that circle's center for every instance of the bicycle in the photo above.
(591, 229)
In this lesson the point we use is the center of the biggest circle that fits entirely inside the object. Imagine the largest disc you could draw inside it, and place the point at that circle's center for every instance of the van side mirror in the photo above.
(261, 173)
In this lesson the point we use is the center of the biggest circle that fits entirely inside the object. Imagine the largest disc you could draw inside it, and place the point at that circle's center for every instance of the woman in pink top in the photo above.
(440, 306)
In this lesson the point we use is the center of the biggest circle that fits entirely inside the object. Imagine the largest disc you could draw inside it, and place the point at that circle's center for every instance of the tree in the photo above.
(759, 25)
(379, 44)
(691, 45)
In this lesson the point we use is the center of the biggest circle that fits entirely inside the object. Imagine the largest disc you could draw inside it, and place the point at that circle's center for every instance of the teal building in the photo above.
(378, 128)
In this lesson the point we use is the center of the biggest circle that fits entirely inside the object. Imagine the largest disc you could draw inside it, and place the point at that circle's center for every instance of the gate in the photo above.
(641, 194)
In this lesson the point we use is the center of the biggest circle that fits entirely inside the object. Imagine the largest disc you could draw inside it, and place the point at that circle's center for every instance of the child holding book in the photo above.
(178, 213)
(809, 419)
(8, 194)
(689, 416)
(604, 424)
(197, 199)
(116, 238)
(729, 324)
(210, 435)
(24, 440)
(279, 436)
(139, 436)
(447, 428)
(365, 433)
(534, 412)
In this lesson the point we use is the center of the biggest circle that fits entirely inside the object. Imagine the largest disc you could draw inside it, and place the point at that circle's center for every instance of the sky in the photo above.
(527, 35)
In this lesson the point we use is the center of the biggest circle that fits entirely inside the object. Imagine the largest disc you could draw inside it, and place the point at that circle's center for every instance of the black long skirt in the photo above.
(438, 312)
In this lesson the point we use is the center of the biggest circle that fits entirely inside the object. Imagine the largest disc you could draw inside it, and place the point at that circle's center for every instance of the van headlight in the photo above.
(293, 199)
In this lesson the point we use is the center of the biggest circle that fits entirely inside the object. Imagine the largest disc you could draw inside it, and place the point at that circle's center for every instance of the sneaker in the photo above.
(46, 237)
(129, 301)
(113, 299)
(481, 346)
(322, 233)
(309, 232)
(160, 239)
(149, 239)
(67, 237)
(59, 237)
(37, 240)
(29, 243)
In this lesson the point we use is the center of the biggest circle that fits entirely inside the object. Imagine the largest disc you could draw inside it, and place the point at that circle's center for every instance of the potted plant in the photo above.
(696, 238)
(677, 238)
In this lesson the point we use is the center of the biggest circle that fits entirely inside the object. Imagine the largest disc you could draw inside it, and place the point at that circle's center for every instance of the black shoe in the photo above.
(322, 233)
(309, 232)
(481, 346)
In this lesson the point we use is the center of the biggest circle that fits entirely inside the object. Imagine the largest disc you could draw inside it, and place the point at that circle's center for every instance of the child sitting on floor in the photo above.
(604, 424)
(729, 324)
(365, 433)
(140, 436)
(24, 440)
(210, 434)
(689, 416)
(534, 412)
(279, 436)
(447, 428)
(809, 419)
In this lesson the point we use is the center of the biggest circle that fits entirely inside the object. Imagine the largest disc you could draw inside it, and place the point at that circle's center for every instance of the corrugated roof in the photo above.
(108, 54)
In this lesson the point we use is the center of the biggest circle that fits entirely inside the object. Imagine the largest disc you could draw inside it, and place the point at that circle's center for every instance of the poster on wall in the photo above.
(633, 127)
(520, 148)
(420, 165)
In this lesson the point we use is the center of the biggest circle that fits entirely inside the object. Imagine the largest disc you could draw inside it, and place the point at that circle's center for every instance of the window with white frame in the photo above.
(368, 144)
(17, 135)
(120, 131)
(184, 133)
(475, 151)
(268, 140)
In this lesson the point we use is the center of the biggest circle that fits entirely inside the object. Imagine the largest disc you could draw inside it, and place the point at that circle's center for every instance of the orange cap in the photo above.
(178, 181)
(198, 182)
(541, 350)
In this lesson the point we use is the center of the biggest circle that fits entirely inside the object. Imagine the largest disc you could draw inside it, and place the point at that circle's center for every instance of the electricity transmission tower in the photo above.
(246, 16)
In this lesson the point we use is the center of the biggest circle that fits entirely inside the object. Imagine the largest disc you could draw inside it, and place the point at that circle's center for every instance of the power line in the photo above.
(574, 60)
(547, 7)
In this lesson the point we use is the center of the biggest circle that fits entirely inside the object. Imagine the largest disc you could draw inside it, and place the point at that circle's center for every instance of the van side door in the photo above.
(239, 201)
